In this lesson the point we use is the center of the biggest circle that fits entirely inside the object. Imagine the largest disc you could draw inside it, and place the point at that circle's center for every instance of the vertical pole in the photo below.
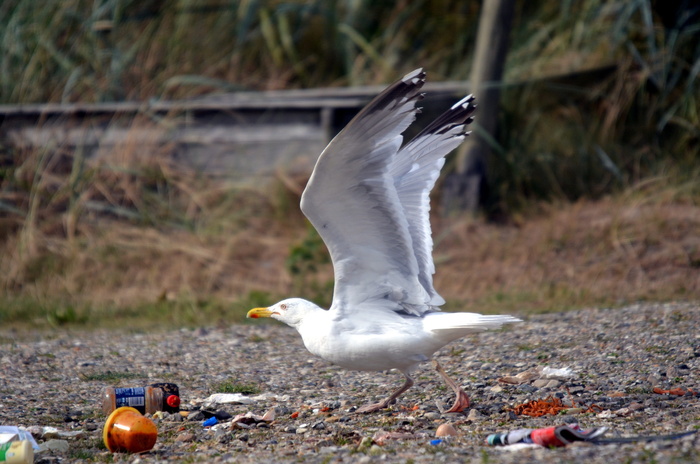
(464, 190)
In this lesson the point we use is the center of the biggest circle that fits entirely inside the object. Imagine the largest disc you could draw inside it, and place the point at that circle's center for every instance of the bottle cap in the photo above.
(173, 401)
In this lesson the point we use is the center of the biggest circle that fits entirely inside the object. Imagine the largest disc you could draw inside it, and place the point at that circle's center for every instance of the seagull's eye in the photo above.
(283, 306)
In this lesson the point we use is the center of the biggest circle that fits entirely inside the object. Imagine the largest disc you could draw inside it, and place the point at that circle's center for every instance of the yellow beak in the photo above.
(259, 312)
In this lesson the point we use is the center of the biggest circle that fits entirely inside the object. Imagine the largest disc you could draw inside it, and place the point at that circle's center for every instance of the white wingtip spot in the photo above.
(414, 76)
(463, 102)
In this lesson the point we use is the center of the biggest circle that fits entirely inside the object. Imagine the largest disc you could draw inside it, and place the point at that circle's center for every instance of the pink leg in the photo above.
(462, 400)
(384, 404)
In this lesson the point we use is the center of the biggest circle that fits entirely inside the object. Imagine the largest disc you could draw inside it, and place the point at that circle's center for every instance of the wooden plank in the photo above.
(235, 135)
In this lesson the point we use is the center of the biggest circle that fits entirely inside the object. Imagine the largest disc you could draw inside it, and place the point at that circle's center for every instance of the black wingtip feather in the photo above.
(461, 113)
(408, 87)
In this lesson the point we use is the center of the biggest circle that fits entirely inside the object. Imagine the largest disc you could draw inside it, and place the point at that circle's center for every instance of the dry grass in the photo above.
(151, 240)
(608, 252)
(85, 240)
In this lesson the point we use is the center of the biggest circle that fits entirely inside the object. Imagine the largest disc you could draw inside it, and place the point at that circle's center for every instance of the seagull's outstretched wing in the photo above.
(352, 202)
(415, 170)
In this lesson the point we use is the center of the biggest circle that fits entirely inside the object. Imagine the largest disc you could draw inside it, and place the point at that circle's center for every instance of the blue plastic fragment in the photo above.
(211, 421)
(436, 441)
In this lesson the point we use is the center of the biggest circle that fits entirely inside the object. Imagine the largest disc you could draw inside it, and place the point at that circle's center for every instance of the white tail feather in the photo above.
(450, 326)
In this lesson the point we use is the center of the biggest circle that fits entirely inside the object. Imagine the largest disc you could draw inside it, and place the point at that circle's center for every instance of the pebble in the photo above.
(634, 406)
(196, 416)
(553, 384)
(526, 388)
(185, 437)
(54, 444)
(572, 411)
(222, 415)
(474, 415)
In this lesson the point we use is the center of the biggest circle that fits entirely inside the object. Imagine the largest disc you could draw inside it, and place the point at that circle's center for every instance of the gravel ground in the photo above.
(618, 356)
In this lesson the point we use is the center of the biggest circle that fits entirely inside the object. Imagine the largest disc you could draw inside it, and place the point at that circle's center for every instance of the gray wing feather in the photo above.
(416, 169)
(353, 204)
(368, 199)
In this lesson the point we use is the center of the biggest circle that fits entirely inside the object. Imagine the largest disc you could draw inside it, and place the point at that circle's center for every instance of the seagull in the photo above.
(368, 198)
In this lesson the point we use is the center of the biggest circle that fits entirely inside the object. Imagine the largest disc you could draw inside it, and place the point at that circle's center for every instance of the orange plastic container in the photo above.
(127, 430)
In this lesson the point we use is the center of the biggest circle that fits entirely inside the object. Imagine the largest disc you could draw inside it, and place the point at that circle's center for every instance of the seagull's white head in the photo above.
(290, 311)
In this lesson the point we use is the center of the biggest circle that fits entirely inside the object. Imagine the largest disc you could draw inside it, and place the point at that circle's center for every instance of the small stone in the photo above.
(318, 426)
(196, 416)
(328, 450)
(446, 430)
(573, 411)
(60, 446)
(432, 415)
(527, 388)
(539, 383)
(71, 434)
(48, 433)
(222, 415)
(553, 384)
(496, 389)
(635, 406)
(474, 415)
(185, 437)
(48, 460)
